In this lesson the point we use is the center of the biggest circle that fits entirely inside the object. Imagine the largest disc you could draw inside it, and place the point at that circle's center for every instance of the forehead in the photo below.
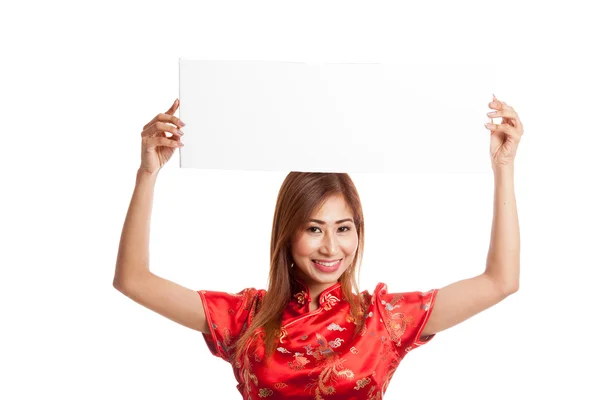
(332, 208)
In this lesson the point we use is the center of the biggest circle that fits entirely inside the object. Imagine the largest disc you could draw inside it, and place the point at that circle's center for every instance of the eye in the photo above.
(316, 227)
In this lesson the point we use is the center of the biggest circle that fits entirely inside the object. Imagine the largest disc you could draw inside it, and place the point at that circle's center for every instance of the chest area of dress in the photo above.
(318, 355)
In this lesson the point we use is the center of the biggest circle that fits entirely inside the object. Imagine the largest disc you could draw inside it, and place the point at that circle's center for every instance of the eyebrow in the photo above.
(318, 221)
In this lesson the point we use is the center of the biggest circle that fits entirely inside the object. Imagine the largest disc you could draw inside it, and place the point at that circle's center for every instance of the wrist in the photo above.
(143, 174)
(504, 173)
(502, 168)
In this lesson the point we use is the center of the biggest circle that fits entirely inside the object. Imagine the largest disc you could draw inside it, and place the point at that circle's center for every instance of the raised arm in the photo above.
(132, 272)
(461, 300)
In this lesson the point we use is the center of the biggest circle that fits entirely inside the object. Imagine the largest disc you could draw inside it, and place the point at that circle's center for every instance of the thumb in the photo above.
(173, 108)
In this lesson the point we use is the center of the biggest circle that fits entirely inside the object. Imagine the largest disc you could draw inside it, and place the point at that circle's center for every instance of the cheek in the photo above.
(350, 245)
(305, 246)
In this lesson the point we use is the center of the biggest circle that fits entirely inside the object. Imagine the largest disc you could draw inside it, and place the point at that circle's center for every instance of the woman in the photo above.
(310, 335)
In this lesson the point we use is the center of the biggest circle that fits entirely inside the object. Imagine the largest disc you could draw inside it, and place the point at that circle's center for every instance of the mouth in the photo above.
(327, 266)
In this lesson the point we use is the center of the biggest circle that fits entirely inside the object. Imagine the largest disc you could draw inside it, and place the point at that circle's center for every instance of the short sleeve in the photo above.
(405, 315)
(227, 315)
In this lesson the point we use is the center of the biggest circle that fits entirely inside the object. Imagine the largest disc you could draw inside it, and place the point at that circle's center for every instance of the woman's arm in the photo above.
(132, 272)
(133, 258)
(461, 300)
(504, 254)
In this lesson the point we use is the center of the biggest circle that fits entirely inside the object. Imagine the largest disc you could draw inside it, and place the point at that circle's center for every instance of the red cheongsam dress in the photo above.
(316, 357)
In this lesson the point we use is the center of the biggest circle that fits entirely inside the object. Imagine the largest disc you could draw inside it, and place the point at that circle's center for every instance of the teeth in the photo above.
(331, 264)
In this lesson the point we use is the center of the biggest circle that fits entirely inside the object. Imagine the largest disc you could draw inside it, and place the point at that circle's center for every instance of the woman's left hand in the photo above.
(505, 137)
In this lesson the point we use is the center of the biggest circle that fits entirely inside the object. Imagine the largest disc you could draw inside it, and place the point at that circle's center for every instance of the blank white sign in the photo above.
(335, 117)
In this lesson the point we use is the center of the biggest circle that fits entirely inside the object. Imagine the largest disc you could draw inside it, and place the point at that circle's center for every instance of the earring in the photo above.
(292, 266)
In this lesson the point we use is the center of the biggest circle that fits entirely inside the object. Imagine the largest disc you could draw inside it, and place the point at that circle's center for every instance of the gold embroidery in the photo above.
(329, 375)
(331, 368)
(397, 322)
(301, 297)
(265, 392)
(363, 331)
(387, 351)
(227, 340)
(247, 375)
(329, 301)
(282, 333)
(351, 319)
(361, 383)
(374, 396)
(298, 363)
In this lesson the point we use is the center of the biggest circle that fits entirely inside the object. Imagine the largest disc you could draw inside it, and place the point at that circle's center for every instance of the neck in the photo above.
(315, 289)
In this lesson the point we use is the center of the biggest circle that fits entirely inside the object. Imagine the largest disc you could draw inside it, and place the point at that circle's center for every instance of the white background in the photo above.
(79, 82)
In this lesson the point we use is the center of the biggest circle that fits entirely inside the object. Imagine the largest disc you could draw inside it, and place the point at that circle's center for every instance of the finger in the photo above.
(506, 106)
(162, 127)
(168, 142)
(499, 105)
(503, 113)
(168, 116)
(165, 142)
(511, 117)
(507, 113)
(173, 108)
(165, 118)
(507, 129)
(495, 105)
(159, 127)
(520, 126)
(503, 106)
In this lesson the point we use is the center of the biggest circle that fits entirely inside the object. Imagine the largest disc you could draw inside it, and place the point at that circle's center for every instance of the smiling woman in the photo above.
(312, 325)
(328, 242)
(312, 329)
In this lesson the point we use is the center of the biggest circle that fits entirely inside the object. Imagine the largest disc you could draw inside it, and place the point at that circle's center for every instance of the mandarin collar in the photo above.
(301, 299)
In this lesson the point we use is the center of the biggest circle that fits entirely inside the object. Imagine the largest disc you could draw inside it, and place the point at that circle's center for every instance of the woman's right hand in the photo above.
(157, 148)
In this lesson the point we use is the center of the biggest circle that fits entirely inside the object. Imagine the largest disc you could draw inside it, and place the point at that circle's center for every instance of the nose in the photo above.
(330, 245)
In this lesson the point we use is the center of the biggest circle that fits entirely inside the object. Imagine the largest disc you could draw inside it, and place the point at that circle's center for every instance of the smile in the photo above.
(327, 267)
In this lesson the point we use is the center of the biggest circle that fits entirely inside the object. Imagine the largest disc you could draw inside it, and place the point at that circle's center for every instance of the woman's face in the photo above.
(325, 241)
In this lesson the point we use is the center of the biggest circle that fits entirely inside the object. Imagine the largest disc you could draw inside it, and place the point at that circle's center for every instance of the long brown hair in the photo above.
(300, 194)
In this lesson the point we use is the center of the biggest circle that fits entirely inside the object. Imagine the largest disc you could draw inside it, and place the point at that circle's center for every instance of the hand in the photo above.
(157, 148)
(505, 137)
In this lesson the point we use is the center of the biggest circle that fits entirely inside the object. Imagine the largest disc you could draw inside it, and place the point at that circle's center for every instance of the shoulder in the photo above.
(251, 292)
(382, 292)
(389, 299)
(252, 295)
(244, 298)
(380, 288)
